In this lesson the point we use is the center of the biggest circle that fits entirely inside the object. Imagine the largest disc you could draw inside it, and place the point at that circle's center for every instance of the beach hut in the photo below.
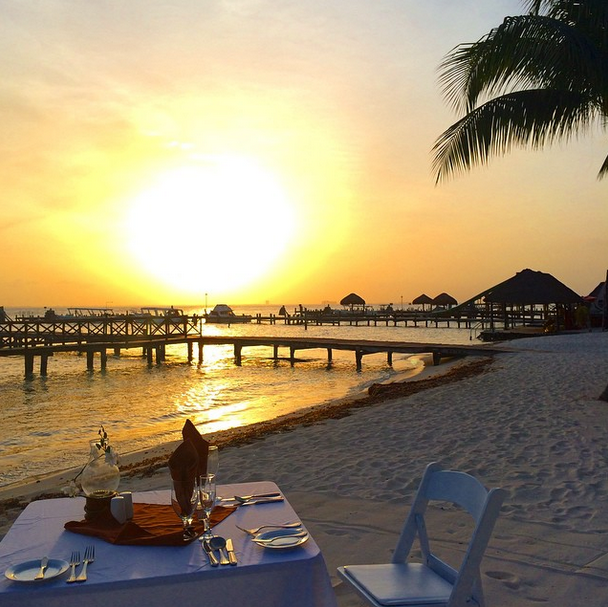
(352, 300)
(423, 300)
(539, 291)
(444, 300)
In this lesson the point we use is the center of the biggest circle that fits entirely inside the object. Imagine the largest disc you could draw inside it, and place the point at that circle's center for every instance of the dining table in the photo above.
(155, 576)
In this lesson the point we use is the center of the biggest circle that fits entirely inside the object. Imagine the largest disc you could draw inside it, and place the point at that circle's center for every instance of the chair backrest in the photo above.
(467, 492)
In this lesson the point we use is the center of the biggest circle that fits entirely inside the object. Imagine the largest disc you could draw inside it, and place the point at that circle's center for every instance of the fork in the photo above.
(89, 557)
(74, 560)
(256, 530)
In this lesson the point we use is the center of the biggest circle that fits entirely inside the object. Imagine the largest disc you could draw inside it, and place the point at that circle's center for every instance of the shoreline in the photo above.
(14, 497)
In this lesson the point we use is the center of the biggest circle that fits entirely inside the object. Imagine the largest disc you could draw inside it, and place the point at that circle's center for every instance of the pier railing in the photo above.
(31, 333)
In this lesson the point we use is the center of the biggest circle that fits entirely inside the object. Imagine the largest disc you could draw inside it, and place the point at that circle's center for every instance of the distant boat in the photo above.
(223, 314)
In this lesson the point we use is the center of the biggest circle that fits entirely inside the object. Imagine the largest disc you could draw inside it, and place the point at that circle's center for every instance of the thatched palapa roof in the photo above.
(531, 287)
(422, 299)
(444, 300)
(352, 300)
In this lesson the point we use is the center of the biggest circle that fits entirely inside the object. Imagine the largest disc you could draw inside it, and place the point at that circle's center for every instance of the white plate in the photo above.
(26, 572)
(283, 539)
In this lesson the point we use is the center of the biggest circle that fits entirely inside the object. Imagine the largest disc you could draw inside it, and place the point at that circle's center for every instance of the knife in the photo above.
(250, 497)
(231, 553)
(264, 500)
(44, 563)
(212, 558)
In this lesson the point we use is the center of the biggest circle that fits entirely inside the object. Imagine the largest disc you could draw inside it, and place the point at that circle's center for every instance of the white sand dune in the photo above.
(531, 424)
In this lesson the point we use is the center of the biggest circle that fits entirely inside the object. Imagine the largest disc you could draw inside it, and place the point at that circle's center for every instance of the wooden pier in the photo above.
(37, 338)
(359, 347)
(374, 319)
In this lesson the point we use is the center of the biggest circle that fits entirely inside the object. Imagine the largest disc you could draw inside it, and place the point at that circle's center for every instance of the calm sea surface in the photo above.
(47, 421)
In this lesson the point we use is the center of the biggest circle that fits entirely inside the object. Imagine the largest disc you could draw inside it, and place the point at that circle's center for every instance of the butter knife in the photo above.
(249, 497)
(265, 500)
(212, 558)
(44, 563)
(231, 553)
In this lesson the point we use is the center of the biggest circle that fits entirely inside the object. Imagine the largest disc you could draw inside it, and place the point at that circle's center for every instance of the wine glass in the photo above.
(207, 497)
(213, 460)
(184, 497)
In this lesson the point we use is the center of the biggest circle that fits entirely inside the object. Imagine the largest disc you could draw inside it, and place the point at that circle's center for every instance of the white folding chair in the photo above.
(433, 582)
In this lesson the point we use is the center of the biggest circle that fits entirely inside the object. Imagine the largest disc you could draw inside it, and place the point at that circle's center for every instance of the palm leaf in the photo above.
(524, 52)
(526, 118)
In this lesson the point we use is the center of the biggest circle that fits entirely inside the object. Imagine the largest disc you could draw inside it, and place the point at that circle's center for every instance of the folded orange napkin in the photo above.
(152, 525)
(183, 465)
(190, 433)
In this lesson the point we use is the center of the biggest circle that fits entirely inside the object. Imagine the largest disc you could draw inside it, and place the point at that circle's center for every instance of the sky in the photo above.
(173, 152)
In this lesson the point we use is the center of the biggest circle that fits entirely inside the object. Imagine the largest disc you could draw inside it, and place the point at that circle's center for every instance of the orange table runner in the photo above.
(152, 525)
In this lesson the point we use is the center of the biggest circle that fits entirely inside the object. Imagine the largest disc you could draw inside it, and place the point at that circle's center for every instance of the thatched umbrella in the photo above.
(422, 300)
(444, 299)
(530, 287)
(352, 300)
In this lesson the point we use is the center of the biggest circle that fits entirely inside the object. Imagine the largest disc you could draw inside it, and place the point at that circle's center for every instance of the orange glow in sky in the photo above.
(154, 153)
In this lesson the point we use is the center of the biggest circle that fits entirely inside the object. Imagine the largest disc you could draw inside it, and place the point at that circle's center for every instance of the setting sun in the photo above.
(214, 225)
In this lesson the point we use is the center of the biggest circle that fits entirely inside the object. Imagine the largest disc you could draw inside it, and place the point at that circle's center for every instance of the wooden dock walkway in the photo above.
(42, 339)
(359, 347)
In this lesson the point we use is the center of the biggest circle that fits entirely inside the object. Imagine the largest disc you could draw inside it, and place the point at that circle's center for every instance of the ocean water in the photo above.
(47, 421)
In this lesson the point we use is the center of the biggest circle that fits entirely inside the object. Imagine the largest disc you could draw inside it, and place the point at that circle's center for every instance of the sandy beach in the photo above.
(528, 420)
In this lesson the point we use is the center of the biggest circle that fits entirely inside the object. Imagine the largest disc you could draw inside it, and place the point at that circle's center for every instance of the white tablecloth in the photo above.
(161, 576)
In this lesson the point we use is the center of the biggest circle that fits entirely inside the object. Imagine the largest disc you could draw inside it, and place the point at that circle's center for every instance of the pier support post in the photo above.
(292, 356)
(200, 352)
(189, 351)
(359, 358)
(389, 359)
(90, 359)
(237, 354)
(276, 352)
(116, 351)
(149, 356)
(29, 365)
(436, 357)
(330, 354)
(104, 359)
(44, 364)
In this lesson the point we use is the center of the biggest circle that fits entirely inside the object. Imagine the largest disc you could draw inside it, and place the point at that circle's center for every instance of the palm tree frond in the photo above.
(604, 169)
(524, 52)
(526, 118)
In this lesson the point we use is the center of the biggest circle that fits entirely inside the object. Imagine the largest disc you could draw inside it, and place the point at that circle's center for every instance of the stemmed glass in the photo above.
(184, 497)
(207, 497)
(213, 460)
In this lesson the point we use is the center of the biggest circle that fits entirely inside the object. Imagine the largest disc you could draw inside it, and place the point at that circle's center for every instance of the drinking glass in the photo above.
(213, 460)
(207, 497)
(184, 497)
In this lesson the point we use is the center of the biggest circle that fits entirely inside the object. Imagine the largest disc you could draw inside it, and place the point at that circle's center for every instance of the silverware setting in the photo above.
(231, 553)
(256, 530)
(224, 548)
(262, 500)
(246, 498)
(74, 562)
(44, 563)
(89, 557)
(210, 555)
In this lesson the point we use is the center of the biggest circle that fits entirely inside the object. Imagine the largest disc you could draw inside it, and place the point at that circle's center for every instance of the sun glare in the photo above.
(210, 227)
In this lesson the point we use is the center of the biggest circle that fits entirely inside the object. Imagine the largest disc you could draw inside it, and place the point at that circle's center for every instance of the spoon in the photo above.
(219, 543)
